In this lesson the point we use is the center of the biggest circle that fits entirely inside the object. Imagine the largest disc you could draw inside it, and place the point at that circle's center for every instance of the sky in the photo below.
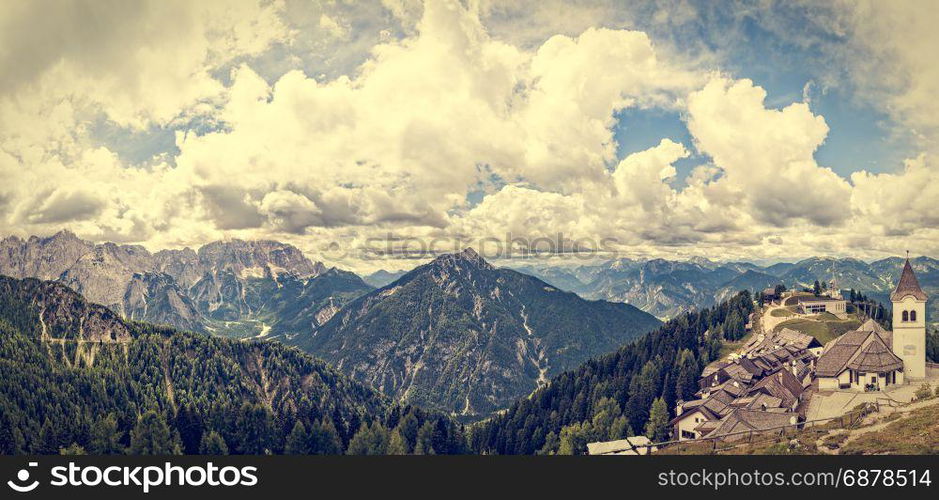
(371, 133)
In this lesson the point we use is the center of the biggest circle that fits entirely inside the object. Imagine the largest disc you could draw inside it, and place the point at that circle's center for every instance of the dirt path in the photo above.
(769, 321)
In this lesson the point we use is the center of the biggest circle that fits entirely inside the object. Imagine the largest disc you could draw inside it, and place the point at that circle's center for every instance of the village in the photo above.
(781, 378)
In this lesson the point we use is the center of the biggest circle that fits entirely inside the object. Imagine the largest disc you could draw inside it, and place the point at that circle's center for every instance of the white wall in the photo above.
(909, 337)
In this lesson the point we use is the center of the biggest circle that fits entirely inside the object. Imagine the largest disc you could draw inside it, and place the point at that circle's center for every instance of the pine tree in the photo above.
(688, 371)
(574, 439)
(212, 443)
(424, 444)
(7, 439)
(189, 426)
(324, 439)
(734, 326)
(369, 440)
(48, 443)
(298, 441)
(396, 444)
(152, 436)
(106, 437)
(551, 444)
(657, 428)
(254, 429)
(605, 413)
(642, 391)
(620, 428)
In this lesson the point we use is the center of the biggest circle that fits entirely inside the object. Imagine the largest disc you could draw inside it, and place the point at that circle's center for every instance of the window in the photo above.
(912, 315)
(906, 315)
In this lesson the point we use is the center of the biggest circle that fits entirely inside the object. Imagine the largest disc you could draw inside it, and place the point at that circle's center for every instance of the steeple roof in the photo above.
(908, 285)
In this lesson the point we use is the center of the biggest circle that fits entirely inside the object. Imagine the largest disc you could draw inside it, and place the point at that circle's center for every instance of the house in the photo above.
(782, 386)
(633, 445)
(687, 423)
(742, 420)
(809, 304)
(693, 414)
(790, 337)
(709, 409)
(713, 374)
(769, 295)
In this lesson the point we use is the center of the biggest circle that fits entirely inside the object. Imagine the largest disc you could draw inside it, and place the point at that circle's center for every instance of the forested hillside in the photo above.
(631, 391)
(75, 377)
(461, 336)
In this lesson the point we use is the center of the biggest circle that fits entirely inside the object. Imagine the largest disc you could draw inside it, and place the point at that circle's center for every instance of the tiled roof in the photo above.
(908, 285)
(875, 357)
(738, 372)
(782, 385)
(865, 349)
(789, 337)
(834, 359)
(765, 401)
(750, 420)
(711, 368)
(635, 445)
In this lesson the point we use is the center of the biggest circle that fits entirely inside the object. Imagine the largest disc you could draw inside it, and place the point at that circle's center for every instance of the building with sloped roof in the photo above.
(860, 360)
(741, 420)
(872, 358)
(633, 445)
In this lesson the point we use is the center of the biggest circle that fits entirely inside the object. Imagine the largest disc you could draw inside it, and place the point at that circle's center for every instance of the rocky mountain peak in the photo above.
(261, 257)
(63, 236)
(467, 258)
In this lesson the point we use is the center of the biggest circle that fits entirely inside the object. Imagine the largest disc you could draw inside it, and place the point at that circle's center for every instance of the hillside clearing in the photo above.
(823, 327)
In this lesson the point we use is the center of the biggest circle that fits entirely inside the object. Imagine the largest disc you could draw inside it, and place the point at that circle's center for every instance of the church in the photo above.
(872, 358)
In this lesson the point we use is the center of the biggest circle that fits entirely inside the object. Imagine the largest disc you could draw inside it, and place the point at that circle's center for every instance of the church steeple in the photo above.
(908, 284)
(909, 324)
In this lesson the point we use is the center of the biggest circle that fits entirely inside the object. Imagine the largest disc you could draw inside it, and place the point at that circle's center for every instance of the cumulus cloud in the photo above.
(398, 147)
(895, 60)
(899, 203)
(767, 153)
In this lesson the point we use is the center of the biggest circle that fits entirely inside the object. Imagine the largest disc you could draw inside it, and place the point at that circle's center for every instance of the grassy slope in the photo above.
(824, 327)
(781, 313)
(915, 434)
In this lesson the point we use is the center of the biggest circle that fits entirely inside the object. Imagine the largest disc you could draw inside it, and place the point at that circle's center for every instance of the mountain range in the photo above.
(460, 335)
(231, 288)
(667, 288)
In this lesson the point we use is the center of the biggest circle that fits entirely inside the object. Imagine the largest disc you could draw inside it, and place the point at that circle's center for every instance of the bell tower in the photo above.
(909, 324)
